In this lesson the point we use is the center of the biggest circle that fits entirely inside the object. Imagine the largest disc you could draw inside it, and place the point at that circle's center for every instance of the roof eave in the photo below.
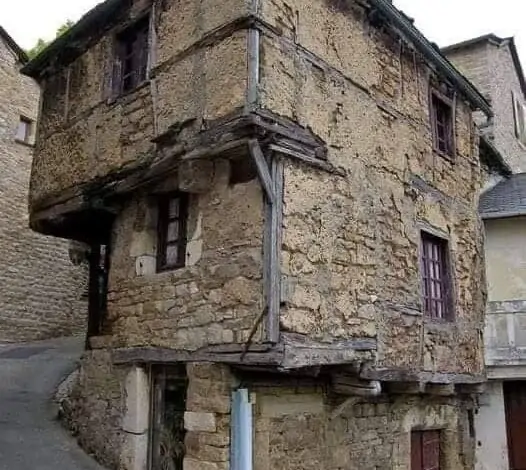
(21, 54)
(502, 215)
(433, 55)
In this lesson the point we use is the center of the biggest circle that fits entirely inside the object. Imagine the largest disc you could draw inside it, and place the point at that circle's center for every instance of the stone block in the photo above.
(145, 265)
(274, 406)
(136, 417)
(195, 421)
(192, 464)
(134, 452)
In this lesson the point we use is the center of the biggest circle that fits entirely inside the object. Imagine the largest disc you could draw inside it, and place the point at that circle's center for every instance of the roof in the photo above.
(498, 41)
(103, 16)
(21, 54)
(506, 199)
(492, 158)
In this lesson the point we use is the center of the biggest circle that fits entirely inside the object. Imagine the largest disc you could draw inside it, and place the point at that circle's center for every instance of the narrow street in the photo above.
(31, 438)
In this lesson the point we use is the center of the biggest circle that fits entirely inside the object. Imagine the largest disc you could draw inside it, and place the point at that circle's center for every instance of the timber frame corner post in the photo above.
(270, 173)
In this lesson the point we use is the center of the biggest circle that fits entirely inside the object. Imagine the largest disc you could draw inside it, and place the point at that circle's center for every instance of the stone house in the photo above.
(493, 65)
(41, 294)
(287, 261)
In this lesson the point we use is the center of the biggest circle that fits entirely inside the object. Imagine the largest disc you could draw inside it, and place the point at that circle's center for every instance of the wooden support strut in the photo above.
(271, 176)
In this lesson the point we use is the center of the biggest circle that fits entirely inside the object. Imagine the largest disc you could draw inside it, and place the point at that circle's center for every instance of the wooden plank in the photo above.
(276, 231)
(402, 375)
(263, 170)
(305, 158)
(253, 69)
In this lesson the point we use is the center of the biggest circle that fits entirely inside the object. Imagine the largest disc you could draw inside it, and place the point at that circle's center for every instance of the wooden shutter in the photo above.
(425, 450)
(515, 406)
(416, 451)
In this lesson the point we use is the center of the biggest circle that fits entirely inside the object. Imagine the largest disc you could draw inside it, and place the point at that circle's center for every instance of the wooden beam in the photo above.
(471, 389)
(294, 352)
(404, 388)
(263, 170)
(275, 240)
(441, 390)
(301, 351)
(351, 385)
(402, 375)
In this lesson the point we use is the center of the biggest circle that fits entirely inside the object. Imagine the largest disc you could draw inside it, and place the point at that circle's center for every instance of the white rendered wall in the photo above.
(490, 428)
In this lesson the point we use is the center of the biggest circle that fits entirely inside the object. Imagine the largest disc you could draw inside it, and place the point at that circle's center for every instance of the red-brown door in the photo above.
(425, 450)
(515, 405)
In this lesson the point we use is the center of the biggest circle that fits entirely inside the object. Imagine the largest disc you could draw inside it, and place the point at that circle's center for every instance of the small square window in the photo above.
(132, 57)
(24, 130)
(171, 231)
(442, 123)
(436, 280)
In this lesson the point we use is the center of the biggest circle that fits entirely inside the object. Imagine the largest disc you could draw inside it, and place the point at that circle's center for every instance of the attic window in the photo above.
(443, 124)
(132, 56)
(519, 115)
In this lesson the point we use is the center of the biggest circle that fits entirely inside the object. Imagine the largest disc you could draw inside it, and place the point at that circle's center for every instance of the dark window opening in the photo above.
(171, 231)
(24, 130)
(132, 49)
(99, 264)
(442, 122)
(168, 405)
(435, 277)
(425, 450)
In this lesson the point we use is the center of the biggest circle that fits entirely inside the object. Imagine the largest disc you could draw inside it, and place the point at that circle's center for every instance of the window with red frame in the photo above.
(171, 231)
(436, 279)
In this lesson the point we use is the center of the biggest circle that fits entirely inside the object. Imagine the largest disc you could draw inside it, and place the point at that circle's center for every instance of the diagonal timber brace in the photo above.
(270, 172)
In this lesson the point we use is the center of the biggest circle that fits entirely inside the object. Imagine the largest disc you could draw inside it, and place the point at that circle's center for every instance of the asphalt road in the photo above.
(31, 438)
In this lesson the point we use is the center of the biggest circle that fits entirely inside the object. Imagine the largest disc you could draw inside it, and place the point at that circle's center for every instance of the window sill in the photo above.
(117, 98)
(439, 324)
(26, 144)
(446, 156)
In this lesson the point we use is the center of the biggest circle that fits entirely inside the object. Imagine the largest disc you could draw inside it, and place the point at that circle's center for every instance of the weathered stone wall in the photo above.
(351, 241)
(301, 428)
(217, 296)
(108, 410)
(490, 67)
(41, 294)
(95, 407)
(92, 133)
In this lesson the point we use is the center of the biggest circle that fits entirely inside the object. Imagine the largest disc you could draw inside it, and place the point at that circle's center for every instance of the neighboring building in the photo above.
(41, 290)
(281, 200)
(493, 65)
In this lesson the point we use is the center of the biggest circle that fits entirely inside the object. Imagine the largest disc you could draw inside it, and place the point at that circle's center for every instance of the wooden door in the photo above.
(425, 450)
(515, 406)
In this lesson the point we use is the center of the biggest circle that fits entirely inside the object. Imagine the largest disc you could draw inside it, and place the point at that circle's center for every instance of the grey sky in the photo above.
(442, 21)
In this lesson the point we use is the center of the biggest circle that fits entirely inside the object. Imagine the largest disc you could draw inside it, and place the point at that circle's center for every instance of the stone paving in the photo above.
(31, 438)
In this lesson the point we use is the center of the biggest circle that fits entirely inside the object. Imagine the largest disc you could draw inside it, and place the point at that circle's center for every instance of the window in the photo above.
(24, 130)
(132, 57)
(443, 125)
(519, 115)
(435, 277)
(166, 450)
(425, 450)
(171, 236)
